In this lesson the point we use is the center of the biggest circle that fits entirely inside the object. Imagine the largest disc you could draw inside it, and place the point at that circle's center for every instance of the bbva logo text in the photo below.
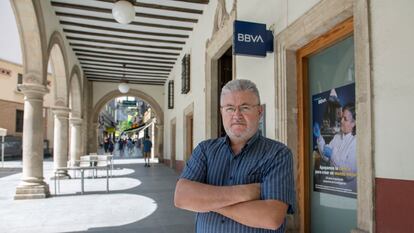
(249, 38)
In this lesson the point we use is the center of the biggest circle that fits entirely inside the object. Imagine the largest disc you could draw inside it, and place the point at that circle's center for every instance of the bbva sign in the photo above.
(251, 39)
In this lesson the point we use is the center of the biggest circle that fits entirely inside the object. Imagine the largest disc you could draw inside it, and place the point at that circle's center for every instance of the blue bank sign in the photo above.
(252, 39)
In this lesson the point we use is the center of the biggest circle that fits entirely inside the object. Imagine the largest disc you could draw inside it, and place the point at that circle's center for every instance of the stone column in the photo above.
(93, 137)
(159, 142)
(32, 183)
(152, 138)
(75, 139)
(60, 153)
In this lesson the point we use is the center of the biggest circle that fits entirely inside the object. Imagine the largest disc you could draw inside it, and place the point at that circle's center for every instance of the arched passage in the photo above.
(93, 119)
(75, 92)
(57, 59)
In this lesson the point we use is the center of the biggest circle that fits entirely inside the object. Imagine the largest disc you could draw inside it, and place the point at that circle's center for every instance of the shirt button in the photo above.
(222, 221)
(231, 177)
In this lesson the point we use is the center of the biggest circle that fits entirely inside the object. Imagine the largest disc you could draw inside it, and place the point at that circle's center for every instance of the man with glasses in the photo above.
(242, 182)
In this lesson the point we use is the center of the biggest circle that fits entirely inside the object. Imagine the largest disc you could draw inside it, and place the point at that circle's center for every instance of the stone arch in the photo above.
(75, 89)
(56, 55)
(93, 118)
(32, 42)
(132, 92)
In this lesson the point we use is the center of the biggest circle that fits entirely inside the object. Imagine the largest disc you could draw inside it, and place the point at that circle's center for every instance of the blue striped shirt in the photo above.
(261, 160)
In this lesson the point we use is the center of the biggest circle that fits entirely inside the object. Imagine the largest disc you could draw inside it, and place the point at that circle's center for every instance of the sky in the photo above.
(9, 39)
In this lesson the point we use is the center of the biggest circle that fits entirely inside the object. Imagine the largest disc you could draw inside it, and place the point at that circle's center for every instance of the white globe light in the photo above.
(123, 12)
(123, 88)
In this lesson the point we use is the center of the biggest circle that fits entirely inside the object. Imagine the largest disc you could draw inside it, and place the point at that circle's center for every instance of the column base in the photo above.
(32, 192)
(61, 176)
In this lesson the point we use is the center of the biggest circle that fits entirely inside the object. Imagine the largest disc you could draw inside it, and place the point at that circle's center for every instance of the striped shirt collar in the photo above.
(249, 143)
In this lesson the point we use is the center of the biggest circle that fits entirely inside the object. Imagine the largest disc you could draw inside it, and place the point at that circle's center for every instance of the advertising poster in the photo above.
(334, 141)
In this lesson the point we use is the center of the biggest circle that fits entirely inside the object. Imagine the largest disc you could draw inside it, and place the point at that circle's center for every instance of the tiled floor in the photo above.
(140, 200)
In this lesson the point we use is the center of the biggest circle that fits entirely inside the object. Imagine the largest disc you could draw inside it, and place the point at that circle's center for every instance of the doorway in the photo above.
(172, 146)
(327, 122)
(225, 74)
(189, 125)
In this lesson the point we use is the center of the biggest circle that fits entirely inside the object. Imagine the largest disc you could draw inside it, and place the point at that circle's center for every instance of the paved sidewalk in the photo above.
(140, 200)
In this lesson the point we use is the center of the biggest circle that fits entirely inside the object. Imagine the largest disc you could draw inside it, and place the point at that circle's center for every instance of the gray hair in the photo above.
(240, 85)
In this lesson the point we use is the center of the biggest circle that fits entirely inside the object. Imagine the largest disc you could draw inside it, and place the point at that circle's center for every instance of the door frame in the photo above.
(188, 134)
(335, 35)
(173, 143)
(322, 17)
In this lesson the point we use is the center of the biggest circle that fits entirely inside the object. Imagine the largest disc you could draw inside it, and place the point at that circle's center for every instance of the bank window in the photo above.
(19, 121)
(185, 74)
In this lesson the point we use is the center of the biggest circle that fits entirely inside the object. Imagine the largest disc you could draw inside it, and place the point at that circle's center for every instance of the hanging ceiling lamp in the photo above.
(123, 87)
(123, 12)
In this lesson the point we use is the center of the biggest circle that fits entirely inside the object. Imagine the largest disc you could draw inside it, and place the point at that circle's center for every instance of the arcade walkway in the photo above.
(140, 200)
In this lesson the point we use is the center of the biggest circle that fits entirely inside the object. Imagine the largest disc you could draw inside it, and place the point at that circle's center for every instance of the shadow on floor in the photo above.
(158, 183)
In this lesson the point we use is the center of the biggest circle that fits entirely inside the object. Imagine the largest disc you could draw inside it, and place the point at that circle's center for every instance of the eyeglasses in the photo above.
(243, 109)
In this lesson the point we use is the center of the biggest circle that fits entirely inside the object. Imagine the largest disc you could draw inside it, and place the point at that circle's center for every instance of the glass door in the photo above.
(332, 151)
(327, 132)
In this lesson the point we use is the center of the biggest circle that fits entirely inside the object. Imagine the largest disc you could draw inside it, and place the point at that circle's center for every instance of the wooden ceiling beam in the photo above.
(128, 64)
(91, 71)
(111, 29)
(122, 43)
(109, 11)
(194, 1)
(111, 20)
(100, 79)
(161, 7)
(129, 67)
(85, 67)
(122, 37)
(155, 78)
(125, 55)
(121, 49)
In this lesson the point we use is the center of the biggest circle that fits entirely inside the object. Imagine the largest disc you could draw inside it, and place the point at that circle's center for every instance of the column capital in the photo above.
(60, 112)
(33, 90)
(75, 121)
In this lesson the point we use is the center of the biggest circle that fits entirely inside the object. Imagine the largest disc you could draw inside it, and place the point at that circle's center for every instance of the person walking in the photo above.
(147, 144)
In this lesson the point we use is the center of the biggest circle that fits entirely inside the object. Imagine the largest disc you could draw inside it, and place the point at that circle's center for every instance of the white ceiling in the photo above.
(149, 46)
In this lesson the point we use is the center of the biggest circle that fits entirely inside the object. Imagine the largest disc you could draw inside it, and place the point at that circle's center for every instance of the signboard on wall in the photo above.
(251, 39)
(334, 141)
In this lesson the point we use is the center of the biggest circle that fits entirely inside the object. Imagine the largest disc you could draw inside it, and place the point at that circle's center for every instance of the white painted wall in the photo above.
(196, 46)
(100, 89)
(260, 70)
(276, 15)
(393, 86)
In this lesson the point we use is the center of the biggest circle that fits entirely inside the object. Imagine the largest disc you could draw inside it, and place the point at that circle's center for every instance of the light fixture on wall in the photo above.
(123, 11)
(123, 87)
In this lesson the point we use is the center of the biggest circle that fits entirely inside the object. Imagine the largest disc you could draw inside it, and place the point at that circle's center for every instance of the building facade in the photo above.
(327, 54)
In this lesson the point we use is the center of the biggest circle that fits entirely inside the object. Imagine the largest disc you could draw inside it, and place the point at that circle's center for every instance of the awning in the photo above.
(133, 130)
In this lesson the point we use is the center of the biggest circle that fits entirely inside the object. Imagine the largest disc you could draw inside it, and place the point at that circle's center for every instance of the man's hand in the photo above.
(199, 197)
